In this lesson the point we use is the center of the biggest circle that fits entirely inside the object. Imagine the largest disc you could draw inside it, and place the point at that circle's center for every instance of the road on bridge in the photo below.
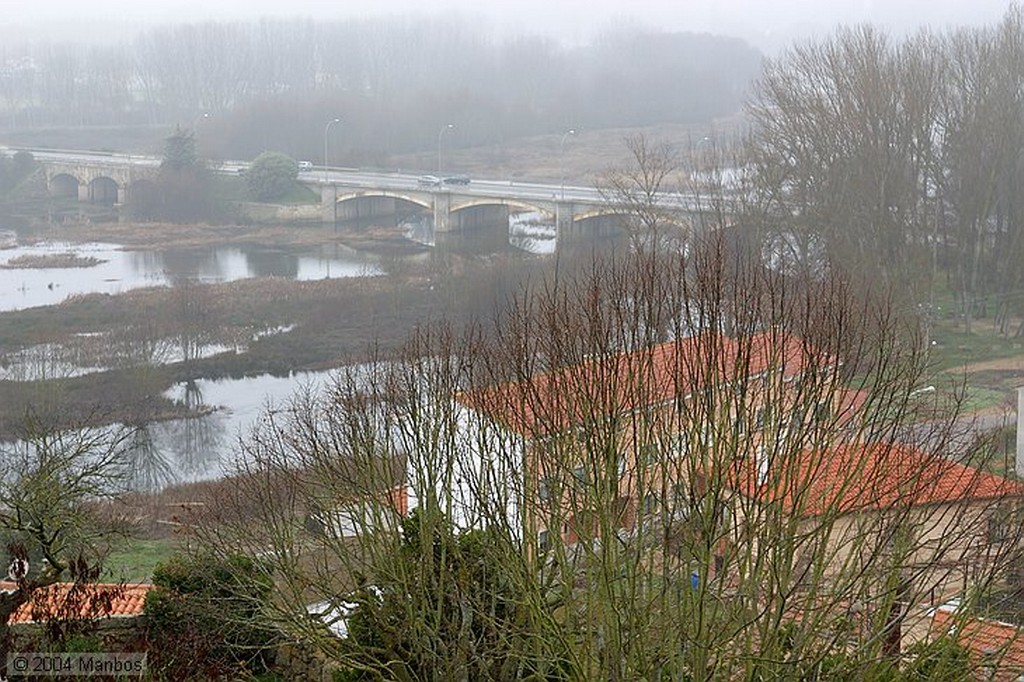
(382, 180)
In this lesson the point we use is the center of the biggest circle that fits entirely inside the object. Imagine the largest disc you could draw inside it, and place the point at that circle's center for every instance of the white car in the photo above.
(305, 166)
(428, 180)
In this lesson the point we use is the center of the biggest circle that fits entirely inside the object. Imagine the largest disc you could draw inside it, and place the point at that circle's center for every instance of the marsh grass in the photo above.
(54, 260)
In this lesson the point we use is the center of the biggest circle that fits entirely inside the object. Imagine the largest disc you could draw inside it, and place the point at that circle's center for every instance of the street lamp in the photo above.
(195, 123)
(327, 129)
(195, 129)
(697, 164)
(440, 134)
(561, 158)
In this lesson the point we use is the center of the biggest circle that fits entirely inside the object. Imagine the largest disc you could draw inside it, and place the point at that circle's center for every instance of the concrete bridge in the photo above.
(114, 179)
(459, 208)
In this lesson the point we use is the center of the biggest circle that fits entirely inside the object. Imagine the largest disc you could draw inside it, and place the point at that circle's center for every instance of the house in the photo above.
(638, 444)
(89, 602)
(631, 444)
(945, 524)
(636, 420)
(996, 648)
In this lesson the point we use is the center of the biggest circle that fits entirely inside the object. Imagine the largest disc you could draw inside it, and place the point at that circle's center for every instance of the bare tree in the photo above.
(900, 156)
(53, 484)
(685, 465)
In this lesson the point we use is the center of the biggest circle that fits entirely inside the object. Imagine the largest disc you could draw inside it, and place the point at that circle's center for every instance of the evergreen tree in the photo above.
(180, 151)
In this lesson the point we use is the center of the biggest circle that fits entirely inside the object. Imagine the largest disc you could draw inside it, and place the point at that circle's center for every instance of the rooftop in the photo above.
(570, 396)
(125, 601)
(854, 477)
(992, 643)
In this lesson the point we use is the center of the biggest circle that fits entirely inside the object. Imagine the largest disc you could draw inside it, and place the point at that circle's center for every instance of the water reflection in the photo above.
(149, 468)
(533, 232)
(420, 229)
(43, 362)
(94, 353)
(117, 271)
(203, 447)
(164, 453)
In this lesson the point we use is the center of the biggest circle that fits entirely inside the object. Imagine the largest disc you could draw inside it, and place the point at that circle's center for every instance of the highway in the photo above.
(510, 190)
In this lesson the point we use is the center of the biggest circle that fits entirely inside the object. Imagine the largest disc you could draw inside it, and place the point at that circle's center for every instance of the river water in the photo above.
(201, 448)
(117, 271)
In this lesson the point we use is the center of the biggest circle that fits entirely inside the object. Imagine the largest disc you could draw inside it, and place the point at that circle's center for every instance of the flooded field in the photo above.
(195, 308)
(27, 281)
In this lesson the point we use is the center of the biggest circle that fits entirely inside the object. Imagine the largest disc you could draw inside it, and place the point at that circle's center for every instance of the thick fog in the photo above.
(768, 24)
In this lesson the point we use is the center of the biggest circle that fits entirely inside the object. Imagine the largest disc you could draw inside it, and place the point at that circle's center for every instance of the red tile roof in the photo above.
(852, 477)
(128, 602)
(991, 642)
(554, 401)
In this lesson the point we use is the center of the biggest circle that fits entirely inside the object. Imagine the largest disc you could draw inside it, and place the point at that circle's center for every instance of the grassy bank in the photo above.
(134, 561)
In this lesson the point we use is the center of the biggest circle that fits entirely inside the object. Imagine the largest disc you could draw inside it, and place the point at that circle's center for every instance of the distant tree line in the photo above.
(273, 83)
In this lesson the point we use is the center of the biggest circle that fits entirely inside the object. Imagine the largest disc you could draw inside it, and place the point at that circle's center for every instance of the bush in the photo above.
(24, 163)
(271, 176)
(448, 594)
(939, 660)
(204, 618)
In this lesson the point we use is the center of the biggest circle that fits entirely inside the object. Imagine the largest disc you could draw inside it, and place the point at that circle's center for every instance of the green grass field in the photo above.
(134, 563)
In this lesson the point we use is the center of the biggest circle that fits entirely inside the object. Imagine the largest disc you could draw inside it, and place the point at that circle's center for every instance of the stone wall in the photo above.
(300, 661)
(114, 634)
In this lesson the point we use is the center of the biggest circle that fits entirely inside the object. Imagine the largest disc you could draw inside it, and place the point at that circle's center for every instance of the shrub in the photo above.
(271, 175)
(204, 618)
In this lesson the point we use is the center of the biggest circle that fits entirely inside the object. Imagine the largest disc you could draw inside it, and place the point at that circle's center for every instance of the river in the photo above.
(185, 450)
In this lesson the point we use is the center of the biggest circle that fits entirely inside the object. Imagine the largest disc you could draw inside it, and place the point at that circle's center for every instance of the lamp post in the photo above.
(696, 160)
(327, 129)
(195, 123)
(195, 130)
(440, 135)
(561, 159)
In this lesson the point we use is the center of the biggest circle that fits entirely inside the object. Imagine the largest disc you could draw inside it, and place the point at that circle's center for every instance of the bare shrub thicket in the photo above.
(682, 466)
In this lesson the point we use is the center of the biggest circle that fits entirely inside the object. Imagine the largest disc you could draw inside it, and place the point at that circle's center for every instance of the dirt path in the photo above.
(1014, 364)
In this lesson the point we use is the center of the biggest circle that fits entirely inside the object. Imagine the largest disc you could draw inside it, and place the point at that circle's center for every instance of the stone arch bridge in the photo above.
(99, 181)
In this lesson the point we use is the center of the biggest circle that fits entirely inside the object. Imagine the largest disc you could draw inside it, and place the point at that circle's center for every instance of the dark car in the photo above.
(456, 180)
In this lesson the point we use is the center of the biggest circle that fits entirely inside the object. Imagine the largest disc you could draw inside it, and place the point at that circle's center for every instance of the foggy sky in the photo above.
(766, 23)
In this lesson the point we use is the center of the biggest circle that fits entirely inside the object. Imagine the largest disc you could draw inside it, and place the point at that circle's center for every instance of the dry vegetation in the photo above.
(56, 260)
(165, 236)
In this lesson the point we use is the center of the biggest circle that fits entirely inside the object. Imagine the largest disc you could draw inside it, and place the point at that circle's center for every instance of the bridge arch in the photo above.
(488, 212)
(408, 198)
(605, 221)
(140, 189)
(103, 190)
(64, 185)
(375, 204)
(513, 205)
(617, 214)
